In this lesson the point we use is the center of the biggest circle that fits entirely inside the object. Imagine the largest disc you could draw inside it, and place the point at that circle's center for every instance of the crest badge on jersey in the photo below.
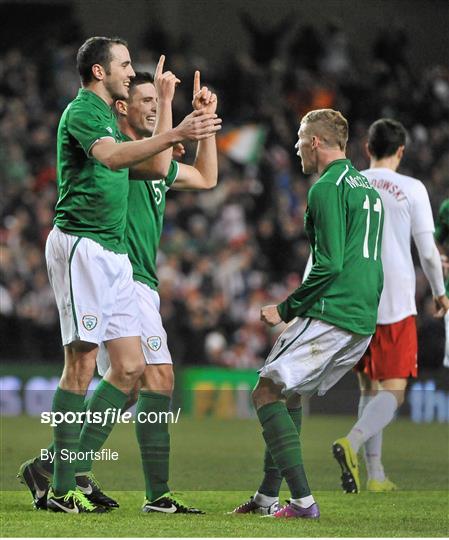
(89, 322)
(154, 342)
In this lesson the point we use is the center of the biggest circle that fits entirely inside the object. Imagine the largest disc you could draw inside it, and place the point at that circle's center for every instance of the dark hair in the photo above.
(95, 50)
(385, 136)
(142, 77)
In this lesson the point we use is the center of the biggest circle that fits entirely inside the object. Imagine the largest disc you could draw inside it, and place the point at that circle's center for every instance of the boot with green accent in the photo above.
(73, 502)
(347, 459)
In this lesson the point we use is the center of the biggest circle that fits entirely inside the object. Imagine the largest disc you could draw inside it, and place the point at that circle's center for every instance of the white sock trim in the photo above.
(303, 502)
(264, 500)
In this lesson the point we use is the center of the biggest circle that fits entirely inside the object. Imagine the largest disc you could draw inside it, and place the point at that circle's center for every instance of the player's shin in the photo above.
(105, 399)
(272, 480)
(154, 442)
(282, 441)
(45, 459)
(66, 438)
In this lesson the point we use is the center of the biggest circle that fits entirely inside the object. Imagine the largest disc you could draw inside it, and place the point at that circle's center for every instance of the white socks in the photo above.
(377, 414)
(303, 502)
(264, 500)
(372, 449)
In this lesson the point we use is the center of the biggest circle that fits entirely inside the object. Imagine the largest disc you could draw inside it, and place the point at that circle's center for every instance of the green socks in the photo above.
(154, 443)
(66, 437)
(94, 435)
(282, 440)
(272, 480)
(48, 464)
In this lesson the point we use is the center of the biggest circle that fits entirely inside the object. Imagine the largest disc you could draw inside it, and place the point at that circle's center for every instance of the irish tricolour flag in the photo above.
(243, 144)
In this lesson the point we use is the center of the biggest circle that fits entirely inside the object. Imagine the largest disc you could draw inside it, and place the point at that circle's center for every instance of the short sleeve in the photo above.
(422, 218)
(88, 127)
(172, 173)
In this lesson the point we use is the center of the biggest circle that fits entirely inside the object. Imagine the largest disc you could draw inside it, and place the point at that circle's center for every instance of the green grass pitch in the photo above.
(217, 463)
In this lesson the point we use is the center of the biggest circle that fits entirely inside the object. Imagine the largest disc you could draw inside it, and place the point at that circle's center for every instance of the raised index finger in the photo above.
(160, 66)
(196, 83)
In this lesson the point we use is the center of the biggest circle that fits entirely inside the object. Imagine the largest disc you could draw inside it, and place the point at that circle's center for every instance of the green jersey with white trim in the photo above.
(343, 221)
(146, 207)
(91, 197)
(442, 230)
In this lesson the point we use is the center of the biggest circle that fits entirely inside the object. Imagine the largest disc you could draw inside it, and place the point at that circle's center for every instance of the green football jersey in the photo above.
(343, 221)
(442, 230)
(91, 197)
(146, 207)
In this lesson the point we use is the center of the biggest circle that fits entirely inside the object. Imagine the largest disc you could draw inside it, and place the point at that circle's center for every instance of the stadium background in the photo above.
(226, 252)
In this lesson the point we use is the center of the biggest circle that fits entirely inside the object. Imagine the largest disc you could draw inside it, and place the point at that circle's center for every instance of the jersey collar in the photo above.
(335, 162)
(94, 99)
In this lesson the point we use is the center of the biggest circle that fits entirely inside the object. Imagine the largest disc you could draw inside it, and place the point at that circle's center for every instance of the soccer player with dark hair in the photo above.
(146, 205)
(87, 260)
(331, 316)
(392, 355)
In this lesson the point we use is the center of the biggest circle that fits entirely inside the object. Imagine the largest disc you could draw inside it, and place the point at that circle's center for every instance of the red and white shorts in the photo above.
(393, 352)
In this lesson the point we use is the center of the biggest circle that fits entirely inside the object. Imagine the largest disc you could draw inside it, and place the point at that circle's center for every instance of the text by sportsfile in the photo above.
(105, 454)
(110, 415)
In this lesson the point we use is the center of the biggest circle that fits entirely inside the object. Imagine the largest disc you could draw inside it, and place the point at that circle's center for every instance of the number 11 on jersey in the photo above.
(377, 209)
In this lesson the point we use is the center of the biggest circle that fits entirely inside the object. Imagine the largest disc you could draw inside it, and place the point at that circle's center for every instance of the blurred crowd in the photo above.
(228, 251)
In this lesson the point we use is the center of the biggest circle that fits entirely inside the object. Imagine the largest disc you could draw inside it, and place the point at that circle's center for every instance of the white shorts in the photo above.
(311, 356)
(94, 289)
(154, 337)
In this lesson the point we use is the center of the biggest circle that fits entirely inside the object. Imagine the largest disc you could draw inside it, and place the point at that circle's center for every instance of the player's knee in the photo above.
(167, 383)
(158, 378)
(266, 392)
(129, 370)
(260, 397)
(79, 369)
(77, 383)
(134, 369)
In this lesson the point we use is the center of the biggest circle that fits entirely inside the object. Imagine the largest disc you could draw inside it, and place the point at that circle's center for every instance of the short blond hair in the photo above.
(331, 126)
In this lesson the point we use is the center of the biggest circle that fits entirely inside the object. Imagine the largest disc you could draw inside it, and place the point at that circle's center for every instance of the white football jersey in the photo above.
(407, 213)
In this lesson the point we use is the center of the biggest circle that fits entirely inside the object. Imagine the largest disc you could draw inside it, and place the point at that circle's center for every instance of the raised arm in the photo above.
(195, 127)
(157, 166)
(203, 174)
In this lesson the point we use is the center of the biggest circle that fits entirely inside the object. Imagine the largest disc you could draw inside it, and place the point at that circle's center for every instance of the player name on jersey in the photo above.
(389, 187)
(357, 181)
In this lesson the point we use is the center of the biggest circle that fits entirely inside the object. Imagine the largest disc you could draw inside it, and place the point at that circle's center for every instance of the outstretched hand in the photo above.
(203, 98)
(165, 82)
(198, 125)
